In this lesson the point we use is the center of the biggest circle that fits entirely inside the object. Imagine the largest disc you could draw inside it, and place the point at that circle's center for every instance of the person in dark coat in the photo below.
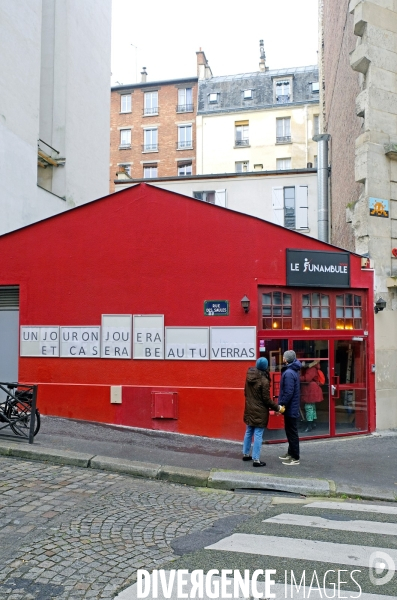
(256, 413)
(289, 397)
(311, 392)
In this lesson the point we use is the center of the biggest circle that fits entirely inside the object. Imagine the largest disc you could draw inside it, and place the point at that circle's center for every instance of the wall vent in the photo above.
(9, 297)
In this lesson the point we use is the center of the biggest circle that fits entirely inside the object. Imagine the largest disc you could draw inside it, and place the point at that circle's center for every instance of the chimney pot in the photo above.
(143, 75)
(262, 60)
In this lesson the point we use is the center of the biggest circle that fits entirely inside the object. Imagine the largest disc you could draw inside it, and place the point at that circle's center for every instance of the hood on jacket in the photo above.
(295, 366)
(254, 375)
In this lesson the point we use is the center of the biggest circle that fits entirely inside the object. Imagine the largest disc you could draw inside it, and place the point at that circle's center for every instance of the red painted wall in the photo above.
(146, 251)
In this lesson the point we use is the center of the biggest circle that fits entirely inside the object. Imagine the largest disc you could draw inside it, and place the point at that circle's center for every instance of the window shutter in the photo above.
(220, 197)
(278, 205)
(9, 297)
(302, 208)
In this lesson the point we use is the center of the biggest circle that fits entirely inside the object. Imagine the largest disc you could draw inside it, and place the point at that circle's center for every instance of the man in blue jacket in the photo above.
(289, 397)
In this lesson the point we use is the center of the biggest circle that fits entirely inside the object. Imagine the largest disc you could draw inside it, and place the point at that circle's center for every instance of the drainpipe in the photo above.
(322, 185)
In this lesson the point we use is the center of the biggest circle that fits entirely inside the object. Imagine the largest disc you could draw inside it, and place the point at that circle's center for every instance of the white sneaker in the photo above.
(285, 457)
(291, 461)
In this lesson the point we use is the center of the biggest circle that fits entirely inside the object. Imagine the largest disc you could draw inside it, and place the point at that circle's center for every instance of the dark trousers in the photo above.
(291, 431)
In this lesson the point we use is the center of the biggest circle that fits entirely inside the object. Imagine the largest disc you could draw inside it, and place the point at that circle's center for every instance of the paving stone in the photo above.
(69, 543)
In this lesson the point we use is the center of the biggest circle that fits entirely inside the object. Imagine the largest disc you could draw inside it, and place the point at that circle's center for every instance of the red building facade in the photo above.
(131, 313)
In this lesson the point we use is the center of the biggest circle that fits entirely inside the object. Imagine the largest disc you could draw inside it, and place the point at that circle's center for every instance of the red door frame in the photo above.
(331, 335)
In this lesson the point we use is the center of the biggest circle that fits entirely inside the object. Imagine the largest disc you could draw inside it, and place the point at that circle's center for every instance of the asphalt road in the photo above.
(354, 462)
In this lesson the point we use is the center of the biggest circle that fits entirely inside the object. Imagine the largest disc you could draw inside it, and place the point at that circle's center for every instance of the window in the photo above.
(150, 140)
(276, 310)
(348, 311)
(283, 92)
(242, 166)
(150, 171)
(315, 87)
(184, 137)
(311, 309)
(151, 104)
(125, 103)
(185, 169)
(241, 133)
(283, 130)
(126, 167)
(185, 100)
(290, 206)
(217, 197)
(205, 196)
(316, 125)
(315, 311)
(247, 94)
(125, 138)
(213, 98)
(283, 164)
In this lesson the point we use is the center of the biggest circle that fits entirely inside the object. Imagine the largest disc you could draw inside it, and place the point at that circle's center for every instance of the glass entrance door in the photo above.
(314, 387)
(348, 387)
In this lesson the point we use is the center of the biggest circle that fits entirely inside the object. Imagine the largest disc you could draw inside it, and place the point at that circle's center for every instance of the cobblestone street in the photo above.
(67, 532)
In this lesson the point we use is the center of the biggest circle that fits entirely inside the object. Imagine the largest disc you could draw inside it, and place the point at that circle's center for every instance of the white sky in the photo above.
(168, 33)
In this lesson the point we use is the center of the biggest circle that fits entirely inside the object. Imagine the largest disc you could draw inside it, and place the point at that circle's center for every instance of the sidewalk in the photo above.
(361, 466)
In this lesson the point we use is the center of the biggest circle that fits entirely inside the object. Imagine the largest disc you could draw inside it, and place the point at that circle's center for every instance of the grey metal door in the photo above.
(9, 333)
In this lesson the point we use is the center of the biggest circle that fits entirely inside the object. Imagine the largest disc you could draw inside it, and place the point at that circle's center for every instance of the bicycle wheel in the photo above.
(19, 414)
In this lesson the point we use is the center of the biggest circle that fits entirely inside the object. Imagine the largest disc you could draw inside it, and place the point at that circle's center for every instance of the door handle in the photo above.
(335, 388)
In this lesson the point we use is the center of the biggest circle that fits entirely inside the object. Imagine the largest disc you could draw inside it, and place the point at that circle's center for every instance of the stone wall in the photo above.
(341, 87)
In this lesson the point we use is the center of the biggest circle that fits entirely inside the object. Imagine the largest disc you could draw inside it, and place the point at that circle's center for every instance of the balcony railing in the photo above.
(150, 148)
(242, 142)
(154, 110)
(184, 108)
(283, 99)
(283, 139)
(184, 145)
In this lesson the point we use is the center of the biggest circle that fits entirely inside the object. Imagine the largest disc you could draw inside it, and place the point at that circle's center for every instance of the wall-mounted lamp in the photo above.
(380, 304)
(245, 303)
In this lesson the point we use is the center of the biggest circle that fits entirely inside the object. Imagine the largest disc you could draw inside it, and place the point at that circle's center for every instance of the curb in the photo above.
(215, 479)
(228, 480)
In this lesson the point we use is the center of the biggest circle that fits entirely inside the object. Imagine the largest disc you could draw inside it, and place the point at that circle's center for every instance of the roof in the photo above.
(142, 84)
(230, 90)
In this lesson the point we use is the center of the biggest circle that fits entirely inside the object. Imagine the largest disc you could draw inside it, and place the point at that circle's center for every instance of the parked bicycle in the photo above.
(17, 409)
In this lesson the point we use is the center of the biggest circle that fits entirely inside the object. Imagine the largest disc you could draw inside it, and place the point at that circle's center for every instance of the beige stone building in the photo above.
(358, 81)
(259, 121)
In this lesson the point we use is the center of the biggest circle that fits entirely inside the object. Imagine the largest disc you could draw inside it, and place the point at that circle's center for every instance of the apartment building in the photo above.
(153, 129)
(258, 121)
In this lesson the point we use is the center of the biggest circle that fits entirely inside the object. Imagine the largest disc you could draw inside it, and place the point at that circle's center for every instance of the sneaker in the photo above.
(247, 457)
(291, 461)
(258, 463)
(285, 457)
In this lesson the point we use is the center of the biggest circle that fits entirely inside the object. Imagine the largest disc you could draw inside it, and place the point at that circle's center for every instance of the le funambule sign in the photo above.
(312, 268)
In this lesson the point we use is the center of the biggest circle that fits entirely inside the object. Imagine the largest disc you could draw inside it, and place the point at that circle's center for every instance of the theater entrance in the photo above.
(334, 399)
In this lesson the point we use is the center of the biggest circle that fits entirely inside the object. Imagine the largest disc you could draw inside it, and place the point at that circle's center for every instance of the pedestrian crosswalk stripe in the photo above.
(375, 508)
(342, 525)
(284, 547)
